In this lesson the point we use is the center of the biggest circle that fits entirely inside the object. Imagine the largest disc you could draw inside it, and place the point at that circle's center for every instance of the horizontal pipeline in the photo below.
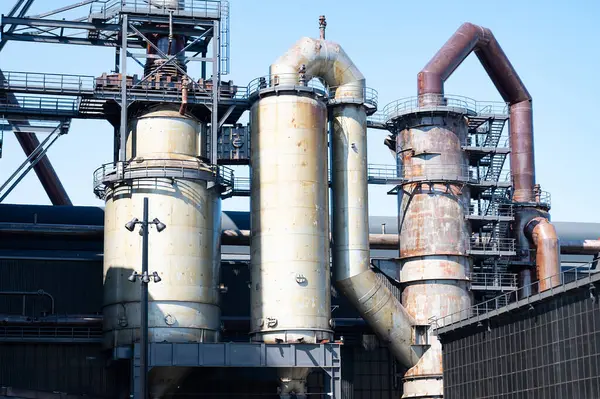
(242, 237)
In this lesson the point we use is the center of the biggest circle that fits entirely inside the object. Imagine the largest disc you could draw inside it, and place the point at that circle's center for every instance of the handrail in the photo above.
(193, 8)
(492, 244)
(160, 168)
(498, 302)
(45, 81)
(51, 103)
(411, 104)
(25, 294)
(494, 279)
(367, 96)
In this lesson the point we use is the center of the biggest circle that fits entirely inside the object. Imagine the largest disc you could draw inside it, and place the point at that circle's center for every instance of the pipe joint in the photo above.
(547, 256)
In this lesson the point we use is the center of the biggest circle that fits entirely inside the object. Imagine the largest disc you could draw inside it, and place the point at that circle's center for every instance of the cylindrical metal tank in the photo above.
(434, 234)
(184, 305)
(290, 290)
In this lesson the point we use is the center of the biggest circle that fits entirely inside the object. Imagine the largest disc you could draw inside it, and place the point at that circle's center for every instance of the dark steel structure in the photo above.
(59, 250)
(466, 231)
(543, 346)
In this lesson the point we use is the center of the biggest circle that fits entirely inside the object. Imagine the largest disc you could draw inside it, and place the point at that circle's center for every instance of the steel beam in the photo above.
(214, 118)
(13, 26)
(123, 66)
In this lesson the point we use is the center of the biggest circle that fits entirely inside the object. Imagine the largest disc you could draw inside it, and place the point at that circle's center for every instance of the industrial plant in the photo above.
(469, 289)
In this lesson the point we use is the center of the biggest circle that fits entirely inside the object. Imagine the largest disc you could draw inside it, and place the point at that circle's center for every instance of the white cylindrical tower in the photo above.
(290, 291)
(162, 147)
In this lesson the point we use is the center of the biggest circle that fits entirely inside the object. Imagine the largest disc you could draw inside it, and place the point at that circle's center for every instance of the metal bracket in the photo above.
(243, 354)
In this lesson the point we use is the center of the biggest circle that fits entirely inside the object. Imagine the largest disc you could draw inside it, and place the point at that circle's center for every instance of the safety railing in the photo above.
(493, 281)
(491, 245)
(25, 294)
(241, 186)
(52, 82)
(581, 276)
(34, 332)
(480, 139)
(381, 172)
(411, 104)
(193, 8)
(286, 80)
(142, 168)
(437, 172)
(493, 209)
(50, 104)
(110, 86)
(365, 95)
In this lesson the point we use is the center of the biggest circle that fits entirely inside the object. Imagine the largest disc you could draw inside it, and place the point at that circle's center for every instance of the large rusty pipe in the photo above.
(475, 38)
(44, 170)
(350, 231)
(547, 258)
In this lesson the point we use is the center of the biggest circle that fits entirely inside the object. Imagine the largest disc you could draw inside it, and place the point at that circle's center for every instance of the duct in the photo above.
(350, 232)
(547, 259)
(580, 247)
(431, 79)
(323, 59)
(242, 237)
(351, 257)
(44, 170)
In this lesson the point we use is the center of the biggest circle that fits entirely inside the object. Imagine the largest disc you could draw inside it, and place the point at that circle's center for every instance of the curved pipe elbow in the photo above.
(547, 252)
(383, 312)
(324, 59)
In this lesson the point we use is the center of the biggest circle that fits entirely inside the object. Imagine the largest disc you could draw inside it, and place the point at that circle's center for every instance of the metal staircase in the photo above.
(496, 127)
(494, 170)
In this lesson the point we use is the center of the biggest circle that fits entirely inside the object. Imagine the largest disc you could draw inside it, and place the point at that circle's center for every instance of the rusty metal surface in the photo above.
(433, 232)
(547, 256)
(44, 171)
(290, 289)
(431, 217)
(475, 38)
(184, 305)
(522, 165)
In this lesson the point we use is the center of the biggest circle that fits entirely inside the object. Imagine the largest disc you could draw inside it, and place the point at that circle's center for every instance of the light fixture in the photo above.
(133, 276)
(131, 224)
(156, 277)
(145, 278)
(142, 230)
(160, 226)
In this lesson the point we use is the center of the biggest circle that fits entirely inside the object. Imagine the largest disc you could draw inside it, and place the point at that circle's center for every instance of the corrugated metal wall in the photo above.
(75, 286)
(551, 350)
(70, 368)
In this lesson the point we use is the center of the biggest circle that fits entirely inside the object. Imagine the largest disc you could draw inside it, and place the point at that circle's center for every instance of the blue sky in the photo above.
(552, 45)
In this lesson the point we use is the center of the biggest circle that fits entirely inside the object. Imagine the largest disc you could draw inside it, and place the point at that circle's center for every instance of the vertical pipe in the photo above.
(350, 232)
(214, 121)
(522, 163)
(203, 67)
(117, 58)
(123, 130)
(547, 259)
(144, 306)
